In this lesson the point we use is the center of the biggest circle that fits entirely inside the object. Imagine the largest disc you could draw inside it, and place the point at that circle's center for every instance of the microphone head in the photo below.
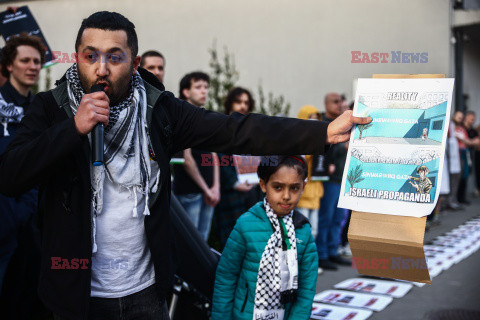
(97, 88)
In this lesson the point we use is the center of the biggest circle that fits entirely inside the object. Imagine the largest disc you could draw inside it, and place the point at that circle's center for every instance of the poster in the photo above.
(246, 167)
(330, 312)
(23, 21)
(394, 289)
(353, 299)
(394, 164)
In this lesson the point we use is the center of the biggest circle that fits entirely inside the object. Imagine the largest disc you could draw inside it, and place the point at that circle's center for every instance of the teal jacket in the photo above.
(236, 277)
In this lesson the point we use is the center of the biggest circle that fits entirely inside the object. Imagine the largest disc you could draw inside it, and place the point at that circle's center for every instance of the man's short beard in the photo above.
(116, 97)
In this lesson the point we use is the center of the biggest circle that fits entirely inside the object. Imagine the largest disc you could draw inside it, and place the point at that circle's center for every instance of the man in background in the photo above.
(197, 186)
(154, 62)
(22, 59)
(330, 216)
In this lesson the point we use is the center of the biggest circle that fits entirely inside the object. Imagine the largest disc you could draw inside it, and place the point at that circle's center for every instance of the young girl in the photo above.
(268, 269)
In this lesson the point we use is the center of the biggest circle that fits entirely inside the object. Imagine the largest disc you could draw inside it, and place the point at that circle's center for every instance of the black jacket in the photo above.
(48, 151)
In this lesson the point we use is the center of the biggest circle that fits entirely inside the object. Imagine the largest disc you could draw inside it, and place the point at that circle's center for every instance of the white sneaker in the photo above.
(345, 251)
(320, 271)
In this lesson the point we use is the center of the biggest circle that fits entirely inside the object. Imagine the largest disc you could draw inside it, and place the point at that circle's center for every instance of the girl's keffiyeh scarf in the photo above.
(277, 280)
(126, 151)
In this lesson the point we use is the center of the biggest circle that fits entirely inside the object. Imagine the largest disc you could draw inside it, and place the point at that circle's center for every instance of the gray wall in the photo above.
(471, 76)
(301, 49)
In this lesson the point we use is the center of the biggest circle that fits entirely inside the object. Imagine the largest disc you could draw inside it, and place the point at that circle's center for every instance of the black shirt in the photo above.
(184, 184)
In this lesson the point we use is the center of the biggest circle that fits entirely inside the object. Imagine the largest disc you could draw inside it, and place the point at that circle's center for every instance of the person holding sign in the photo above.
(90, 218)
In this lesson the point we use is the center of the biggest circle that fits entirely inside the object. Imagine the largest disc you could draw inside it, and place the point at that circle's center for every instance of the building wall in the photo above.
(300, 49)
(471, 75)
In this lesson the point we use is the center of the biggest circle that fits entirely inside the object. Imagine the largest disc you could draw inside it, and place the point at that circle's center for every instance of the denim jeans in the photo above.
(199, 212)
(144, 304)
(312, 215)
(329, 221)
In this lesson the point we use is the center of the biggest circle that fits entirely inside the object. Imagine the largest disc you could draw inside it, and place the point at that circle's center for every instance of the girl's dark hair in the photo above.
(235, 94)
(270, 164)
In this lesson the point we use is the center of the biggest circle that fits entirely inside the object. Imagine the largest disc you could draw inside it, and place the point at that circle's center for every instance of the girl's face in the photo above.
(283, 190)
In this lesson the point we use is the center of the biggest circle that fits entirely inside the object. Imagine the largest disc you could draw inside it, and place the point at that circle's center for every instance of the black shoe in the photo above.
(465, 202)
(327, 264)
(340, 260)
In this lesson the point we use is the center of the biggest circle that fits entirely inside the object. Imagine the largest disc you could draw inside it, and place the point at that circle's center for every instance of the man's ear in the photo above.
(263, 185)
(136, 63)
(186, 93)
(9, 68)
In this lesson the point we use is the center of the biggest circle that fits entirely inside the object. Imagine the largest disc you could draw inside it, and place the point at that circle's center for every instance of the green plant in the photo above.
(362, 128)
(355, 175)
(223, 77)
(274, 106)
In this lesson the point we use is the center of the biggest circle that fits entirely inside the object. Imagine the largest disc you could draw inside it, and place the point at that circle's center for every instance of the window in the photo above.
(437, 125)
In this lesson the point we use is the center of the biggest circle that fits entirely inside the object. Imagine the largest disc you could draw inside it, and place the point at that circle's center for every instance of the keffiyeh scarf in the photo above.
(126, 149)
(277, 280)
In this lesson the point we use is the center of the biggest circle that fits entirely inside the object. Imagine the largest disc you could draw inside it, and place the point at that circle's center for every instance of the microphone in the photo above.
(97, 134)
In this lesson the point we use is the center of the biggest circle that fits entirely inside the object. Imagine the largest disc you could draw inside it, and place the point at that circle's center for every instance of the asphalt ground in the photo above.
(455, 288)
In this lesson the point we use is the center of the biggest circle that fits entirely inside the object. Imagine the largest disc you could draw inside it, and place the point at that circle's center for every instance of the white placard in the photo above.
(246, 167)
(394, 164)
(391, 288)
(373, 302)
(331, 312)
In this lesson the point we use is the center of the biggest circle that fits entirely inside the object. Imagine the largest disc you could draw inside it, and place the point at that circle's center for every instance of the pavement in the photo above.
(456, 288)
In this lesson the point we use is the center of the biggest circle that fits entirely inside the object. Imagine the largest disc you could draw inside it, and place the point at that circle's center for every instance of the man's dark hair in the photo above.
(269, 167)
(151, 53)
(188, 79)
(9, 51)
(469, 112)
(110, 21)
(233, 95)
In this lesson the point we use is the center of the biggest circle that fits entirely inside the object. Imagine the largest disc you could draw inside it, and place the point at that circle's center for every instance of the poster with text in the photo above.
(23, 21)
(246, 167)
(394, 164)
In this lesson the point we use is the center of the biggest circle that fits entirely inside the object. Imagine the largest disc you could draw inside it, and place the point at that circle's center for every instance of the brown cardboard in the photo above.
(389, 246)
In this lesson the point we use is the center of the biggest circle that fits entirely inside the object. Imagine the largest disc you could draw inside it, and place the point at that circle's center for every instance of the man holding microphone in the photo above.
(107, 244)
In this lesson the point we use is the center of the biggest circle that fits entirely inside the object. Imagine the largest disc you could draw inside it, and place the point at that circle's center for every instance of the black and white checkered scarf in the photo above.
(126, 153)
(277, 280)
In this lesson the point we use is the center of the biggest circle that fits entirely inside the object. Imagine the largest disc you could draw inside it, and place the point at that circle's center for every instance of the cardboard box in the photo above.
(390, 246)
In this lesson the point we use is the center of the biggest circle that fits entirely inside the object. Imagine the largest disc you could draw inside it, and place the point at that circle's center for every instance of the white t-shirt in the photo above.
(122, 264)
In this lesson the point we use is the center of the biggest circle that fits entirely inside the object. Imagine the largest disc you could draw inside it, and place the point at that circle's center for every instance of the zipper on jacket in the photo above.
(246, 298)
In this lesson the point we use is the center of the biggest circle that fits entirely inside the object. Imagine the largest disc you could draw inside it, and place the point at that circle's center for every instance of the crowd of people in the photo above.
(95, 241)
(297, 197)
(461, 171)
(214, 194)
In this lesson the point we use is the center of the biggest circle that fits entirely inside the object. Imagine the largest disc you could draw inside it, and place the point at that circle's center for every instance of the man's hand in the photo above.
(209, 197)
(216, 195)
(93, 108)
(244, 187)
(339, 129)
(331, 169)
